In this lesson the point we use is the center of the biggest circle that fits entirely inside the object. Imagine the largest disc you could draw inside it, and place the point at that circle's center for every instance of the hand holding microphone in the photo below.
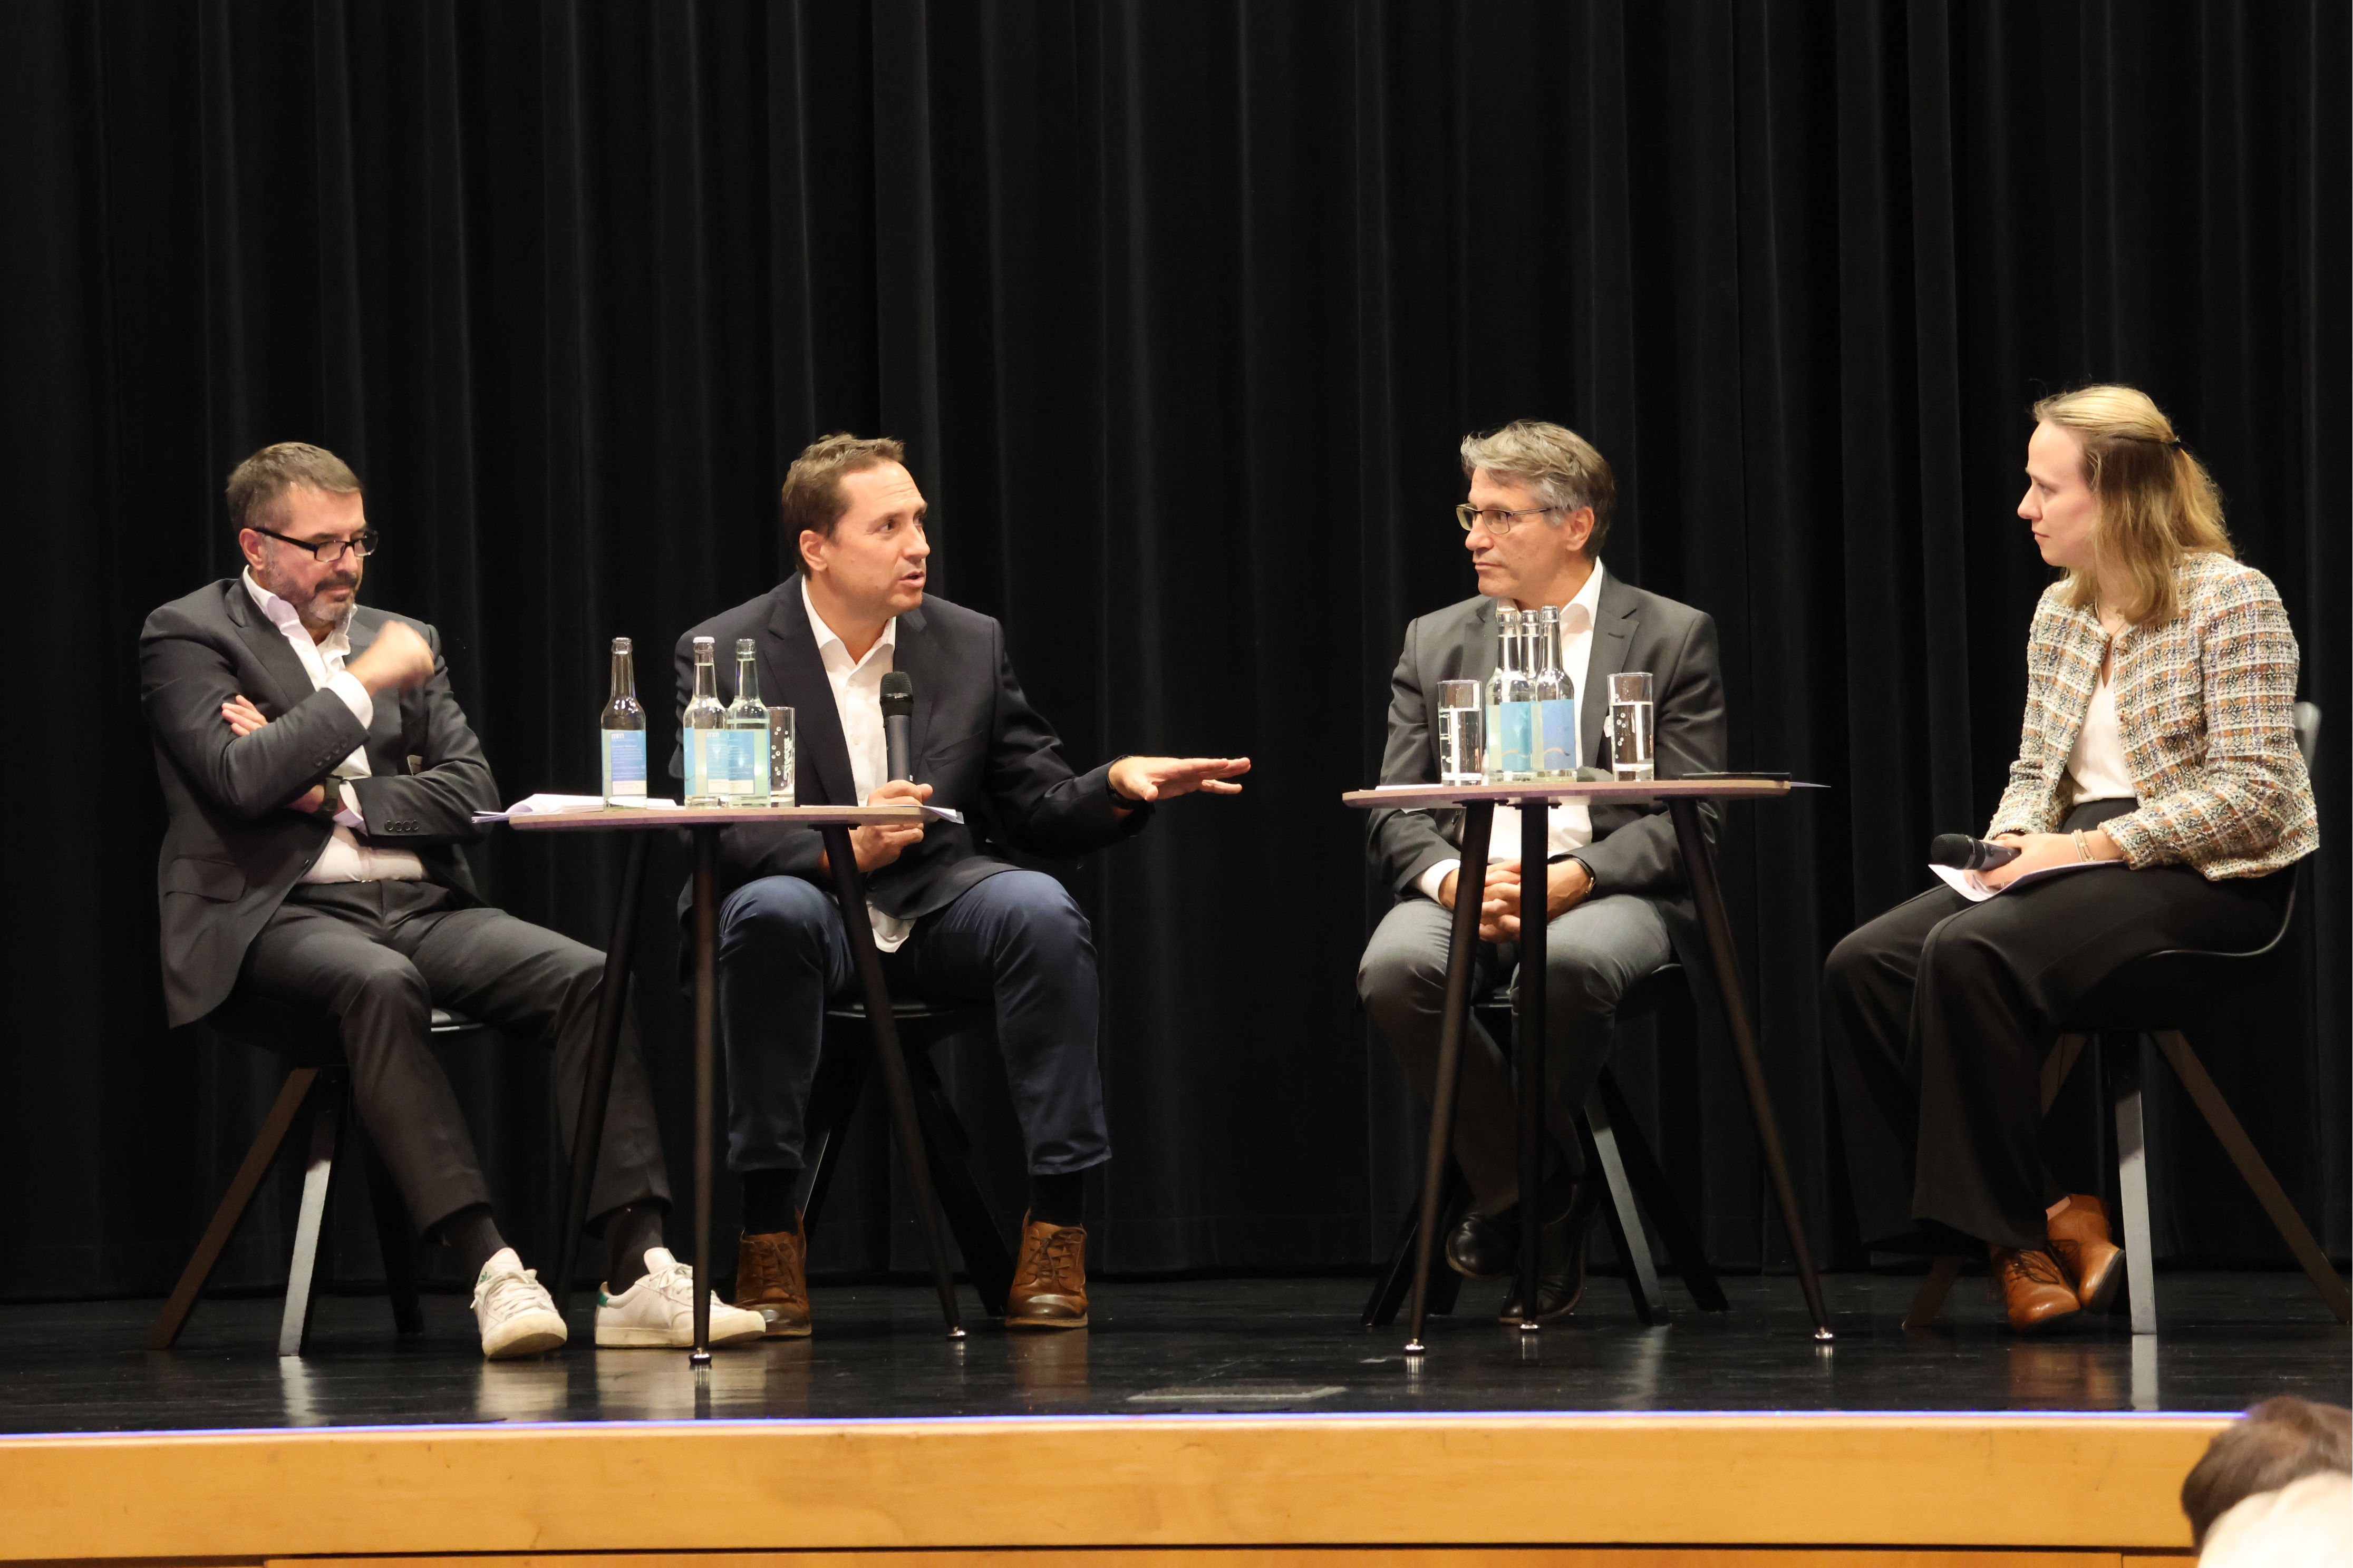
(878, 846)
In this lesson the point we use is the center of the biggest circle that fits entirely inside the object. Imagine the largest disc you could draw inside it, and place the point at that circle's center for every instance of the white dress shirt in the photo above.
(858, 699)
(1569, 823)
(348, 856)
(2098, 760)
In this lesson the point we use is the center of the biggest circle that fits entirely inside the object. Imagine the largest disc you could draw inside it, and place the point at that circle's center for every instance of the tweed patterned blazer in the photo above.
(2206, 701)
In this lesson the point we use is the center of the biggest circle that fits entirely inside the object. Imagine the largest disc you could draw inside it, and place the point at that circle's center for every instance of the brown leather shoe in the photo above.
(2033, 1286)
(2078, 1237)
(1050, 1279)
(772, 1280)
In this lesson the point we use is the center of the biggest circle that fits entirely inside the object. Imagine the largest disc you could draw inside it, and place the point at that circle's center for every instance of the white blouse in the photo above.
(2098, 760)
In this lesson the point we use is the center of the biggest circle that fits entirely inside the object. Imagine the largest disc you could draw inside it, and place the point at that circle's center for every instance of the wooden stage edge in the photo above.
(1442, 1491)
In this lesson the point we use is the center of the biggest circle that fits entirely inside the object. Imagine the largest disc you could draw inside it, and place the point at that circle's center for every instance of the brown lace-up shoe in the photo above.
(772, 1280)
(2033, 1286)
(2079, 1235)
(1050, 1279)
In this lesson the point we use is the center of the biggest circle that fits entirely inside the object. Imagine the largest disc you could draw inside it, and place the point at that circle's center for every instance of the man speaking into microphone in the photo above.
(901, 697)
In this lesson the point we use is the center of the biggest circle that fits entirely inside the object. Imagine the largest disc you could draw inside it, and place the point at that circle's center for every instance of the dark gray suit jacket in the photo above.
(231, 851)
(975, 739)
(1633, 848)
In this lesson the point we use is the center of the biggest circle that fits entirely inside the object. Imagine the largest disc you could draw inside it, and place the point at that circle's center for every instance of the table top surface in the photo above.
(624, 818)
(1567, 789)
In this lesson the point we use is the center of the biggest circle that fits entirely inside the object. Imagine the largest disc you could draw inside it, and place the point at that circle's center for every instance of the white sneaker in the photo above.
(659, 1311)
(517, 1315)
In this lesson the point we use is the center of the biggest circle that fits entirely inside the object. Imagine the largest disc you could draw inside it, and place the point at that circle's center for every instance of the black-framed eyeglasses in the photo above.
(327, 552)
(1498, 523)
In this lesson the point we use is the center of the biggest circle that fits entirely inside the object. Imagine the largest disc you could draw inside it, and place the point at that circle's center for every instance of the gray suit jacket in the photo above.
(1633, 848)
(231, 851)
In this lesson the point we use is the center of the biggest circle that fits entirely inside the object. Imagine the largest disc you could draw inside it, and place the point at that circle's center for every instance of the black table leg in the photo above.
(706, 1003)
(850, 891)
(1535, 849)
(1469, 891)
(596, 1087)
(1699, 865)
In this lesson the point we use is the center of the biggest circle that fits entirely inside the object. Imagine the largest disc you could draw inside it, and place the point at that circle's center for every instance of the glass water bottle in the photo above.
(1510, 696)
(705, 731)
(1553, 742)
(746, 783)
(623, 729)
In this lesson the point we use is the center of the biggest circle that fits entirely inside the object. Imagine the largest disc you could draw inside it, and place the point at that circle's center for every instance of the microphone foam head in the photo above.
(898, 694)
(1950, 849)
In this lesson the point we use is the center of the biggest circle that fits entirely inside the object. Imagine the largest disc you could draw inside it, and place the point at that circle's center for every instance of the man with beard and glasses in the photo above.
(322, 779)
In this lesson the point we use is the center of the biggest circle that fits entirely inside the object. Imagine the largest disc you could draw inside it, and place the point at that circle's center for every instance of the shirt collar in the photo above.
(829, 646)
(288, 620)
(1588, 600)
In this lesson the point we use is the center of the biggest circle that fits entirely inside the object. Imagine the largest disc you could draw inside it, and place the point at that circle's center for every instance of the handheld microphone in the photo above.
(1967, 854)
(898, 715)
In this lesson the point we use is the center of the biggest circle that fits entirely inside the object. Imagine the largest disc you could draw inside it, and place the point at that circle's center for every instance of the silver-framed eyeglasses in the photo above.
(327, 552)
(1498, 523)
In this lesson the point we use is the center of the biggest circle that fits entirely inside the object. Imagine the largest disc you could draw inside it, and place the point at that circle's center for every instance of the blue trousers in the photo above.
(1015, 939)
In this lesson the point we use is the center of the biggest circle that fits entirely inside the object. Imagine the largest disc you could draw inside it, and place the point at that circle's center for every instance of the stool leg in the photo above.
(2122, 1054)
(318, 1176)
(1395, 1277)
(233, 1204)
(1942, 1273)
(1600, 1140)
(396, 1237)
(2258, 1175)
(969, 1221)
(841, 1075)
(1658, 1199)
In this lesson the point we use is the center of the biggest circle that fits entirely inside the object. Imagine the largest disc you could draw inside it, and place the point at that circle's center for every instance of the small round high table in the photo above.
(1477, 803)
(703, 822)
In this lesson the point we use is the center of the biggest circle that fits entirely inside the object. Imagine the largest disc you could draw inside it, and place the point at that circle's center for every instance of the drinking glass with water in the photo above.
(1631, 758)
(1460, 758)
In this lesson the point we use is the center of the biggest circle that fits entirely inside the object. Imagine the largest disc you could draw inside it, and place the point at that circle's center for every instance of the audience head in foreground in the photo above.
(2279, 1442)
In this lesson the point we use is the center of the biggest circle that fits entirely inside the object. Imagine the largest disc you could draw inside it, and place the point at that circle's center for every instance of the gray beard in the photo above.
(334, 618)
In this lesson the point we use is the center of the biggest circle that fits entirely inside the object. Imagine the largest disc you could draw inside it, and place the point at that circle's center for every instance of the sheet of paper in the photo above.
(1967, 885)
(552, 805)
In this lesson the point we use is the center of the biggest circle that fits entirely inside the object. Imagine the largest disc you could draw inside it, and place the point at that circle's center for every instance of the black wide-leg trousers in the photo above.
(1937, 1014)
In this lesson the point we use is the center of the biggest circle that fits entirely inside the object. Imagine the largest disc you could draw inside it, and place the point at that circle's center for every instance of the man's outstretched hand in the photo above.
(1149, 779)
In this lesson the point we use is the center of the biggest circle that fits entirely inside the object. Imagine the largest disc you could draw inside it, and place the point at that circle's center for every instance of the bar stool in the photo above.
(2150, 999)
(844, 1069)
(309, 1039)
(1614, 1146)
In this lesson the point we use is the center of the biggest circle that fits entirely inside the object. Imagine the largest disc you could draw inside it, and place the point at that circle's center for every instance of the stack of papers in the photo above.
(550, 804)
(1970, 887)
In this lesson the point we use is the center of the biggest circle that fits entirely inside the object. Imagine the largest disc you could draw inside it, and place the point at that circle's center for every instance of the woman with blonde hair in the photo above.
(2160, 734)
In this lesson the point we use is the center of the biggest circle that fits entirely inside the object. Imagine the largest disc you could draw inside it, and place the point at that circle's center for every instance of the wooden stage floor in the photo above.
(1246, 1417)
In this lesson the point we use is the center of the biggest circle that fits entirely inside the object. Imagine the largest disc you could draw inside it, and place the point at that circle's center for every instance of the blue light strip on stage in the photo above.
(1100, 1418)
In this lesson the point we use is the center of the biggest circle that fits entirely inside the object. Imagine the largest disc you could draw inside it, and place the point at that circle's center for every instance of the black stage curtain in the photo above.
(1182, 309)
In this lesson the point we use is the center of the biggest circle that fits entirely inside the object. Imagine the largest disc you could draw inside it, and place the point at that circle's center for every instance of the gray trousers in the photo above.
(380, 956)
(1593, 955)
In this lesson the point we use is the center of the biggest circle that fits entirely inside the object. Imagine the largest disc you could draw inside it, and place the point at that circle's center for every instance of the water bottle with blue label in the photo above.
(707, 742)
(1511, 706)
(746, 780)
(1554, 740)
(623, 728)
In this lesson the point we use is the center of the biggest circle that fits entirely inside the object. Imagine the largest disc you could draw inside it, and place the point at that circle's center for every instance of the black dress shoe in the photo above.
(1484, 1248)
(1560, 1259)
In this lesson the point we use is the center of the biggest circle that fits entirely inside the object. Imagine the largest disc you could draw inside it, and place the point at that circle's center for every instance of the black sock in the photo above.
(473, 1235)
(768, 1201)
(628, 1232)
(1059, 1200)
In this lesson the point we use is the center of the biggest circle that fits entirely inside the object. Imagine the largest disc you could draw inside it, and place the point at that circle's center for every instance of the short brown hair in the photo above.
(257, 485)
(2281, 1440)
(1553, 460)
(813, 502)
(2157, 503)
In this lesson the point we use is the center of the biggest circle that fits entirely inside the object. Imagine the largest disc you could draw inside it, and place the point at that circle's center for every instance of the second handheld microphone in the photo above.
(898, 716)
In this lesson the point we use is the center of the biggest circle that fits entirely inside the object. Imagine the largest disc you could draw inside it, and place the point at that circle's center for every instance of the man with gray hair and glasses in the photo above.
(1538, 510)
(322, 782)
